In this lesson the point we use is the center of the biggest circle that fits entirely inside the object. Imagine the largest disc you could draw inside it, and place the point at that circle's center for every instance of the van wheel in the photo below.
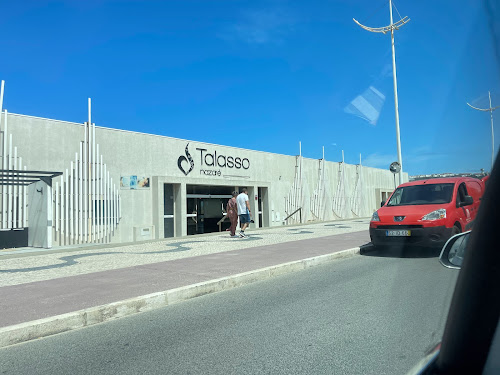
(455, 230)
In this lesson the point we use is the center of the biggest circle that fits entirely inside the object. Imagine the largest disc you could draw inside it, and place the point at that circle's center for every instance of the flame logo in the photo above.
(187, 158)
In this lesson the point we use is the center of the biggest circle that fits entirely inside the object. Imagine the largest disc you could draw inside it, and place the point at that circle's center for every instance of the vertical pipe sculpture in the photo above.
(87, 204)
(109, 208)
(97, 194)
(66, 209)
(94, 176)
(77, 194)
(71, 209)
(92, 183)
(88, 174)
(63, 208)
(20, 206)
(116, 207)
(57, 208)
(25, 206)
(112, 193)
(80, 195)
(14, 193)
(101, 210)
(9, 197)
(105, 204)
(4, 160)
(85, 186)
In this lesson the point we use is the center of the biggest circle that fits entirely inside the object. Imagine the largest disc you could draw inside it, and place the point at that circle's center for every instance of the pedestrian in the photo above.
(232, 213)
(243, 211)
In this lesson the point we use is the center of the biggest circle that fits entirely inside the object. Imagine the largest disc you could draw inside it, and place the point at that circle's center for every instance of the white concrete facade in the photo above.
(323, 190)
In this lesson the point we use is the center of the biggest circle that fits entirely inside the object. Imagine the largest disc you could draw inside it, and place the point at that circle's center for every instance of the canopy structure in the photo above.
(17, 177)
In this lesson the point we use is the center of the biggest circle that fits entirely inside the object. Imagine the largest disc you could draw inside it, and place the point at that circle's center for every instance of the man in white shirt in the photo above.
(243, 211)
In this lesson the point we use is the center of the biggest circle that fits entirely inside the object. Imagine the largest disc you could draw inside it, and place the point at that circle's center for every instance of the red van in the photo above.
(427, 212)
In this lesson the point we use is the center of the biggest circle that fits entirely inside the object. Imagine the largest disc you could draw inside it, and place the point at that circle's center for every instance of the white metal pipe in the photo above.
(62, 233)
(105, 203)
(113, 223)
(80, 195)
(57, 207)
(25, 206)
(98, 197)
(20, 195)
(111, 192)
(101, 200)
(9, 197)
(94, 177)
(66, 208)
(85, 186)
(110, 205)
(89, 182)
(110, 181)
(71, 199)
(4, 161)
(3, 151)
(14, 193)
(116, 207)
(75, 197)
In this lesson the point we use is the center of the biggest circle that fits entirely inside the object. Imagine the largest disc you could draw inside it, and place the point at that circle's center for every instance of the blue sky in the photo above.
(264, 75)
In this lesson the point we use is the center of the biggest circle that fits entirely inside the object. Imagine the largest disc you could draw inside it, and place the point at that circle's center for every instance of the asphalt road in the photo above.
(372, 314)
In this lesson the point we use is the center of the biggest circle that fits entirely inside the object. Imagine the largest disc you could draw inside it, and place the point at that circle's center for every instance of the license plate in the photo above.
(398, 233)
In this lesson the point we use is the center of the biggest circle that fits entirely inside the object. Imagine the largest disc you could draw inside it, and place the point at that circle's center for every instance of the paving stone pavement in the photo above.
(24, 266)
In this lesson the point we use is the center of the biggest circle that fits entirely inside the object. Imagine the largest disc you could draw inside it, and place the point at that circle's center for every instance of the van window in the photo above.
(422, 194)
(461, 193)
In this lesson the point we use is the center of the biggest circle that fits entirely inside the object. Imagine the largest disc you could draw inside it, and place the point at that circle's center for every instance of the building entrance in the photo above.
(206, 208)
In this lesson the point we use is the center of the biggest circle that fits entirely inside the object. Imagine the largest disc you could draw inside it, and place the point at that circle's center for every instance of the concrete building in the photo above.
(123, 186)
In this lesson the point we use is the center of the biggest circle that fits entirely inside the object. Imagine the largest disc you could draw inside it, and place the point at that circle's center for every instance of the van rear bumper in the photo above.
(426, 237)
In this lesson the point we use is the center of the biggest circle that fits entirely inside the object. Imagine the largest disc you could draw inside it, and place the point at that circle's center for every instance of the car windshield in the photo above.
(422, 194)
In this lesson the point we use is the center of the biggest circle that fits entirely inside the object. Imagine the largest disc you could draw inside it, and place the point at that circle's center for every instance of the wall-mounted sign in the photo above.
(212, 163)
(134, 182)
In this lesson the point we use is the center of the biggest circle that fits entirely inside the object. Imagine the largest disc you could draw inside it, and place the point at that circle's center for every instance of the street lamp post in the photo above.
(393, 26)
(490, 109)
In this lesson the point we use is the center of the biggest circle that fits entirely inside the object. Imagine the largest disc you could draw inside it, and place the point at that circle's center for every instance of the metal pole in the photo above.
(400, 159)
(492, 134)
(490, 109)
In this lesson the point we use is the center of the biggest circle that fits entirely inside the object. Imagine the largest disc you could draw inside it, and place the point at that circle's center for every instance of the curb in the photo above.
(36, 329)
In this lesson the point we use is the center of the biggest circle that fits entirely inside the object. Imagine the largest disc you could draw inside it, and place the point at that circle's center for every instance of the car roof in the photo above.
(441, 180)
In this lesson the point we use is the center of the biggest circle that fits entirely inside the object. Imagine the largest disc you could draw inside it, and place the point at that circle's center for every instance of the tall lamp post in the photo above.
(490, 109)
(393, 26)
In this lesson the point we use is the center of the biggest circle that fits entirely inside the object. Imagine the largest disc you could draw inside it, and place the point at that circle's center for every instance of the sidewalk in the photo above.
(42, 285)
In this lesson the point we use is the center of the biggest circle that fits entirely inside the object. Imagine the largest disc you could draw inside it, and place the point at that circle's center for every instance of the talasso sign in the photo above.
(212, 163)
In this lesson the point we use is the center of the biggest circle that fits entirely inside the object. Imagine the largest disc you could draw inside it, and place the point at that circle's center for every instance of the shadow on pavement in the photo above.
(399, 252)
